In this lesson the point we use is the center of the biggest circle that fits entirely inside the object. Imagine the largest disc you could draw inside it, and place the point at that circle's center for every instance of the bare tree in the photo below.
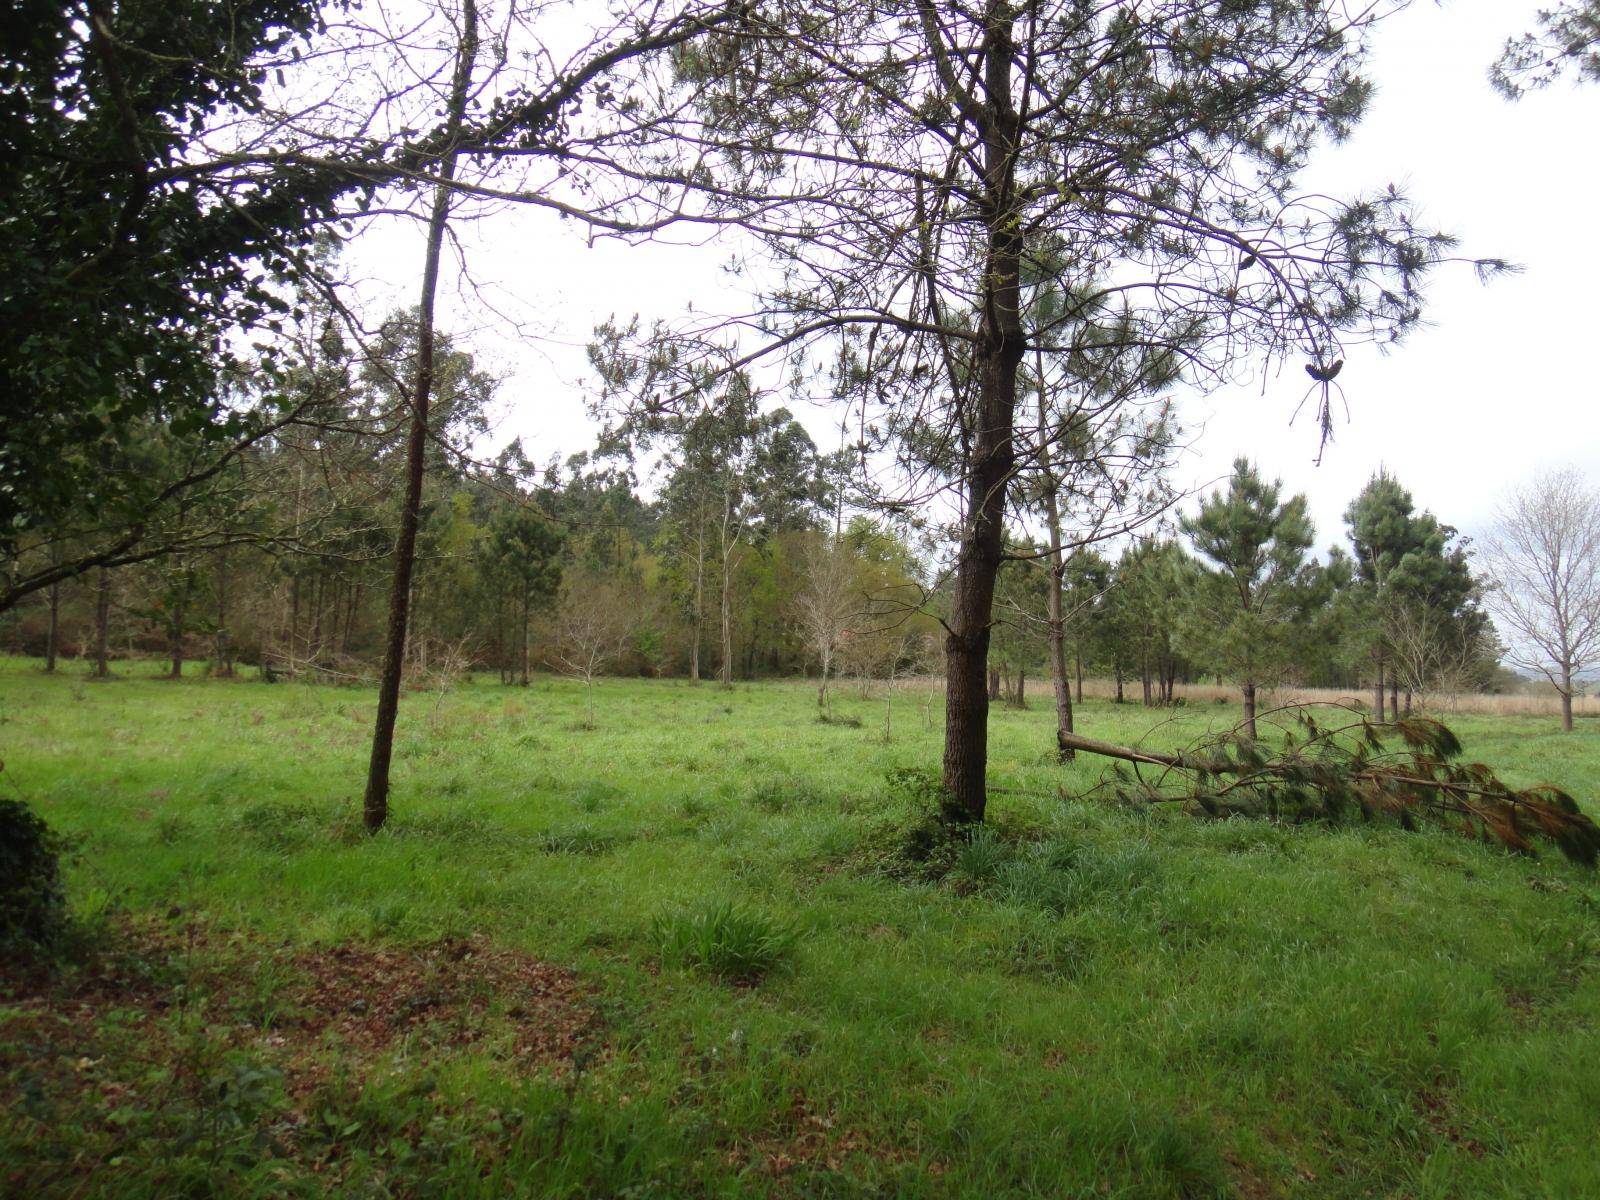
(825, 604)
(1544, 560)
(592, 626)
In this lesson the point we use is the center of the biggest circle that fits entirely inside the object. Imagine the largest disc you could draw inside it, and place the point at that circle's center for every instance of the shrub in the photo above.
(33, 903)
(735, 944)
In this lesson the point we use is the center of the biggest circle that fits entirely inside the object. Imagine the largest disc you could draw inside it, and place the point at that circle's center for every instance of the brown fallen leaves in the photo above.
(301, 1007)
(371, 996)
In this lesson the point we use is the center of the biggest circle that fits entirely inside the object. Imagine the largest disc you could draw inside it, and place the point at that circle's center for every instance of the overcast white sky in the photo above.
(1498, 386)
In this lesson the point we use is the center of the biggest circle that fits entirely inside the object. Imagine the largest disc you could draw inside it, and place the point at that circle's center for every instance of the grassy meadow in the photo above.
(517, 989)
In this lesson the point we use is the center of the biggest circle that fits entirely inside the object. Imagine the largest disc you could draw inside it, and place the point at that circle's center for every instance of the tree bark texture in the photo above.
(997, 357)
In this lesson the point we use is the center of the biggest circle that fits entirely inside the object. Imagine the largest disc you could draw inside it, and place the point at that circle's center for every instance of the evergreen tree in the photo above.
(1255, 593)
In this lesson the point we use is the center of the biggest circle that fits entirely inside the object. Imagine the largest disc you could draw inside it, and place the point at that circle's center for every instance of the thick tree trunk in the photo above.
(375, 804)
(52, 637)
(1250, 710)
(102, 625)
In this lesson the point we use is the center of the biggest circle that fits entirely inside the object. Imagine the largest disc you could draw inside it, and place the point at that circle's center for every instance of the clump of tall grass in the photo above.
(724, 939)
(980, 858)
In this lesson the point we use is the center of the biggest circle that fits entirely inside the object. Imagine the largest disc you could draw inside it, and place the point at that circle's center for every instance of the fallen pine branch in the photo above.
(1326, 772)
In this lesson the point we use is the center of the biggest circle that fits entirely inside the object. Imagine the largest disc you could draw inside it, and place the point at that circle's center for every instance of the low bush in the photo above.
(33, 902)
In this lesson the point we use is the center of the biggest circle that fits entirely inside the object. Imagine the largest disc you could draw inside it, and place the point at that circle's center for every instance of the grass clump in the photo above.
(724, 939)
(579, 839)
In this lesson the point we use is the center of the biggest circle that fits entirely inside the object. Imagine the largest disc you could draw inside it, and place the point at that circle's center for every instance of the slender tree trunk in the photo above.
(52, 635)
(294, 620)
(1077, 656)
(1394, 699)
(699, 614)
(375, 804)
(1022, 686)
(1566, 699)
(319, 593)
(1055, 619)
(1116, 670)
(523, 653)
(1250, 710)
(729, 547)
(220, 649)
(350, 616)
(1408, 702)
(725, 670)
(175, 641)
(1377, 692)
(994, 684)
(102, 625)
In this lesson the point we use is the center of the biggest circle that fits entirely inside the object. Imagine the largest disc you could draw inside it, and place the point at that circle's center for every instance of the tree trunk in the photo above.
(1250, 710)
(1077, 656)
(522, 656)
(725, 669)
(294, 620)
(1022, 686)
(52, 635)
(997, 354)
(1377, 692)
(1394, 699)
(375, 804)
(220, 649)
(1055, 618)
(698, 615)
(175, 641)
(1116, 670)
(1566, 699)
(350, 617)
(102, 625)
(994, 684)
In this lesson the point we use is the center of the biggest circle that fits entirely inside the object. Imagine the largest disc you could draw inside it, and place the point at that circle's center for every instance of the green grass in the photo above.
(1091, 1001)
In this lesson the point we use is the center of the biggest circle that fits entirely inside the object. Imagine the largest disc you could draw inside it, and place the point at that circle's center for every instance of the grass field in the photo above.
(512, 990)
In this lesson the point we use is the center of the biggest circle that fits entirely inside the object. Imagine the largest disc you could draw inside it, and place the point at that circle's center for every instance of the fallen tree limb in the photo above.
(1322, 773)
